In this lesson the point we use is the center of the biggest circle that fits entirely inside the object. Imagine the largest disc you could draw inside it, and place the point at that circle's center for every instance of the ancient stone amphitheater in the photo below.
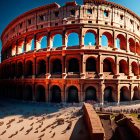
(72, 73)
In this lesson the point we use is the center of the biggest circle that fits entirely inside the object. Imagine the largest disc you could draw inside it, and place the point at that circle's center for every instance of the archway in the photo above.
(56, 66)
(73, 39)
(13, 70)
(90, 93)
(55, 94)
(108, 94)
(124, 94)
(57, 40)
(73, 94)
(89, 39)
(40, 94)
(107, 39)
(123, 67)
(108, 65)
(73, 65)
(41, 69)
(43, 42)
(132, 45)
(19, 70)
(29, 68)
(136, 95)
(121, 42)
(134, 67)
(28, 93)
(91, 65)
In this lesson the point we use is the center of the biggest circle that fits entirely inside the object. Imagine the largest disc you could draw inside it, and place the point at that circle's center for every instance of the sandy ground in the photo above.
(35, 121)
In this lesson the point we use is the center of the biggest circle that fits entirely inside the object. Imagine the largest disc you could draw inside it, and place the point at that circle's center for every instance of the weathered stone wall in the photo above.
(93, 123)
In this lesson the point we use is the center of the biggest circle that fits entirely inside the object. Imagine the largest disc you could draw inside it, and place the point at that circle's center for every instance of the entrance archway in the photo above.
(55, 94)
(108, 94)
(91, 65)
(40, 94)
(124, 94)
(90, 93)
(73, 94)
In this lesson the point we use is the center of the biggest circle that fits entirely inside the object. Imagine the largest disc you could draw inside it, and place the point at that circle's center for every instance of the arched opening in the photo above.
(55, 94)
(57, 67)
(90, 94)
(73, 65)
(28, 93)
(108, 65)
(132, 45)
(124, 94)
(123, 67)
(13, 72)
(89, 39)
(19, 70)
(43, 42)
(13, 50)
(134, 67)
(20, 47)
(107, 39)
(30, 44)
(108, 94)
(73, 94)
(29, 68)
(136, 95)
(41, 68)
(91, 65)
(137, 48)
(73, 39)
(19, 92)
(57, 40)
(40, 94)
(121, 42)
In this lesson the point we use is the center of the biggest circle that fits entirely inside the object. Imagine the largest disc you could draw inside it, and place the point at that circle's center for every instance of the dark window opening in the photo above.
(56, 14)
(29, 21)
(56, 24)
(73, 12)
(42, 17)
(89, 21)
(73, 22)
(121, 17)
(106, 13)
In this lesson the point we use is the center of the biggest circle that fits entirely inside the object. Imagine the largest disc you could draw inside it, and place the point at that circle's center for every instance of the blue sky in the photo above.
(10, 9)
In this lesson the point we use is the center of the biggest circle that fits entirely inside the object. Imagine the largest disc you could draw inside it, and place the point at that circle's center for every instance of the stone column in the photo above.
(64, 40)
(82, 75)
(81, 39)
(115, 41)
(101, 93)
(48, 42)
(63, 94)
(46, 93)
(63, 67)
(98, 40)
(35, 41)
(117, 75)
(47, 67)
(129, 69)
(81, 98)
(100, 65)
(25, 42)
(34, 68)
(131, 92)
(127, 43)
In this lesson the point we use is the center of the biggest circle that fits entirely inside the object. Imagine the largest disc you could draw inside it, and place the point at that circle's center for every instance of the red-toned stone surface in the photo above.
(93, 123)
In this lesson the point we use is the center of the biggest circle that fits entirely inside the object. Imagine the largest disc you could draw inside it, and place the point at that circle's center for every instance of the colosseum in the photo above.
(72, 53)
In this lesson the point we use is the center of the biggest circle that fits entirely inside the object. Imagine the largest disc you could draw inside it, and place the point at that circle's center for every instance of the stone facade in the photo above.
(84, 71)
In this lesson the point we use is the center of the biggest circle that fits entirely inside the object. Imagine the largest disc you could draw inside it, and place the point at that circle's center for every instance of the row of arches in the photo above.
(55, 94)
(73, 39)
(73, 65)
